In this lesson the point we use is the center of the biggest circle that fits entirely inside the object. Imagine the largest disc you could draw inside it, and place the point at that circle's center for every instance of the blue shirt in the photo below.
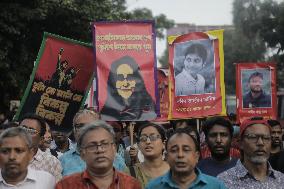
(71, 162)
(202, 181)
(213, 168)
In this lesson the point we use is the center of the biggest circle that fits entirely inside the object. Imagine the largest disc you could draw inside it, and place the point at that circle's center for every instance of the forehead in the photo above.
(276, 127)
(14, 142)
(97, 135)
(258, 129)
(181, 139)
(124, 69)
(149, 130)
(218, 128)
(85, 118)
(256, 78)
(31, 123)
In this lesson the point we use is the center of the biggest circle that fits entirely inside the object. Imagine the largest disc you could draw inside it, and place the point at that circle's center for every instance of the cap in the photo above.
(251, 121)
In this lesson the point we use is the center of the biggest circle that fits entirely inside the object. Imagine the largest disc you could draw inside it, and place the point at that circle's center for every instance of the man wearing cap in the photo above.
(256, 97)
(254, 171)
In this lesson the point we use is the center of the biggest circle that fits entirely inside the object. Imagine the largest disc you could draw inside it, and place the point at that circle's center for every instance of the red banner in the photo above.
(256, 90)
(195, 76)
(59, 82)
(126, 66)
(163, 84)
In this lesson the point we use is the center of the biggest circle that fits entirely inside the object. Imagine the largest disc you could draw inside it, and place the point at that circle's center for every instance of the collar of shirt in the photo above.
(243, 172)
(167, 179)
(39, 156)
(31, 176)
(86, 177)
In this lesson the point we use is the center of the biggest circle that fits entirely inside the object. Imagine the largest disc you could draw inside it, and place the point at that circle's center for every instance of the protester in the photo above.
(182, 156)
(254, 171)
(96, 144)
(5, 126)
(276, 145)
(151, 139)
(15, 154)
(45, 141)
(71, 160)
(36, 127)
(218, 132)
(62, 142)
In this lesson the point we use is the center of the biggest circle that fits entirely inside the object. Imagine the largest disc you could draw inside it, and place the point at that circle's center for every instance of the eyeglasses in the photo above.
(95, 147)
(254, 138)
(152, 138)
(32, 131)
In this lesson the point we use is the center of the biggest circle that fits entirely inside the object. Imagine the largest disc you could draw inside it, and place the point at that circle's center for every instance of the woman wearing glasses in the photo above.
(151, 142)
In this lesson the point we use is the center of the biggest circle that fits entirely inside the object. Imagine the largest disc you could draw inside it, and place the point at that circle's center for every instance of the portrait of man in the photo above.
(256, 96)
(193, 67)
(127, 97)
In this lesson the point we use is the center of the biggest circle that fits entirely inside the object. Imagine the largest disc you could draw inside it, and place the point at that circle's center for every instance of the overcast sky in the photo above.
(199, 12)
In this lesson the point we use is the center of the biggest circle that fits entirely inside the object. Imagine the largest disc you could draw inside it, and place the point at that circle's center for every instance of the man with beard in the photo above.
(254, 171)
(218, 133)
(62, 143)
(276, 144)
(15, 154)
(256, 97)
(182, 156)
(96, 144)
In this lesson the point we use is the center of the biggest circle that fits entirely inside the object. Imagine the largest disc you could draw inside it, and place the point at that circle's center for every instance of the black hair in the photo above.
(198, 49)
(5, 126)
(210, 122)
(184, 131)
(159, 128)
(255, 74)
(189, 122)
(40, 120)
(273, 122)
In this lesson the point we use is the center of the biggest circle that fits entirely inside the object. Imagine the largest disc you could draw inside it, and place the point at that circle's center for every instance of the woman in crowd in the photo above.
(151, 142)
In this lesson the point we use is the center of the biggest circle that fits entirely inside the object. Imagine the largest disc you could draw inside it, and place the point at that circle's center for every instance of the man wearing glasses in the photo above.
(35, 126)
(254, 171)
(96, 144)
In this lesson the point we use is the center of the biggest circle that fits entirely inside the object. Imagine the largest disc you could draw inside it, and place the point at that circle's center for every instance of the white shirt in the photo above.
(186, 85)
(34, 180)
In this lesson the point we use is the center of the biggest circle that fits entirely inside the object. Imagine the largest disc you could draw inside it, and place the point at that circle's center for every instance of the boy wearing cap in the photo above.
(254, 171)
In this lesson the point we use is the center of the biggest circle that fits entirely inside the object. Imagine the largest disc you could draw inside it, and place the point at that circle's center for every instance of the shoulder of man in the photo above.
(43, 177)
(68, 181)
(213, 181)
(128, 181)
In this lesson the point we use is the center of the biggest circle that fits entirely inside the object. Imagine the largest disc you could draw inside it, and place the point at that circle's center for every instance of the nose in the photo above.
(125, 83)
(180, 153)
(260, 141)
(218, 138)
(12, 155)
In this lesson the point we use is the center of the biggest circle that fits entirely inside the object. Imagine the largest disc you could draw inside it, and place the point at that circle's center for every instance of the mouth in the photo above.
(180, 164)
(219, 148)
(148, 148)
(260, 152)
(101, 159)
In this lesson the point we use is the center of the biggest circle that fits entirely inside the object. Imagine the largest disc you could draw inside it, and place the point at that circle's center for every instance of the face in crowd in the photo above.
(256, 144)
(126, 82)
(98, 150)
(33, 127)
(255, 84)
(219, 141)
(15, 155)
(59, 137)
(151, 143)
(182, 154)
(276, 136)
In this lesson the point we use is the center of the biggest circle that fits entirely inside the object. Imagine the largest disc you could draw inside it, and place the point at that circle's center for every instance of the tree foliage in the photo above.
(22, 24)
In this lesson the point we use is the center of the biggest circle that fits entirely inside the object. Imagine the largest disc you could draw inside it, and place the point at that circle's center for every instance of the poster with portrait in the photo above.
(256, 90)
(196, 75)
(126, 70)
(59, 82)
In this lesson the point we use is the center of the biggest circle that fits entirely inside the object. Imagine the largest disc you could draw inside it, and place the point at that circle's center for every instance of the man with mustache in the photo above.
(218, 133)
(254, 171)
(276, 154)
(256, 97)
(96, 144)
(16, 151)
(182, 156)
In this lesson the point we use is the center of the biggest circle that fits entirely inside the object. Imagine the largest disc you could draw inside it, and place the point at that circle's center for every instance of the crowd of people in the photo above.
(106, 155)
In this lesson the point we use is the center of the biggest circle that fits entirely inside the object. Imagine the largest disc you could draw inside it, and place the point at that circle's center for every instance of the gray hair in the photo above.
(94, 126)
(92, 113)
(17, 131)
